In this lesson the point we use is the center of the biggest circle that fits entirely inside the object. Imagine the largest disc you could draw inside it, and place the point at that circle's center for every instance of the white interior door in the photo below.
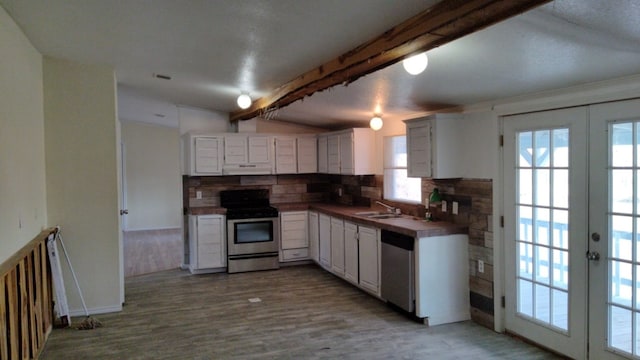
(545, 192)
(614, 226)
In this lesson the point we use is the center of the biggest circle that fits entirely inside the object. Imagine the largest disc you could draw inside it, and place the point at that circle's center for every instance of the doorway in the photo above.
(572, 229)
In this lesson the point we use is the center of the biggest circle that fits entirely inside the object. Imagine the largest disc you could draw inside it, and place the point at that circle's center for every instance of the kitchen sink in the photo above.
(383, 216)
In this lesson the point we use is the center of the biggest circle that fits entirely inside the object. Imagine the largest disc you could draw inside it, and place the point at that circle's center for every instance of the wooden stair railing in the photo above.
(26, 300)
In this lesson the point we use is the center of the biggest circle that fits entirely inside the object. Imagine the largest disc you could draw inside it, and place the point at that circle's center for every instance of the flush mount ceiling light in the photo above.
(376, 122)
(244, 101)
(416, 64)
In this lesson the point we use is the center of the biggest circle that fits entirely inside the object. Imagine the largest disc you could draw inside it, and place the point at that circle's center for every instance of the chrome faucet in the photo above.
(390, 209)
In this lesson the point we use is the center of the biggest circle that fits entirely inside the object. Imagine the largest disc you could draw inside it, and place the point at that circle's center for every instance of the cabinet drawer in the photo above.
(295, 254)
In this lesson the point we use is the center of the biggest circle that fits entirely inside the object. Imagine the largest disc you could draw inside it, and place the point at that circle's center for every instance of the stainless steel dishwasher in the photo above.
(397, 274)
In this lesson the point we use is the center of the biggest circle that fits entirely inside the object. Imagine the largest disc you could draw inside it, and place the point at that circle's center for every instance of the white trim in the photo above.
(96, 310)
(154, 228)
(585, 94)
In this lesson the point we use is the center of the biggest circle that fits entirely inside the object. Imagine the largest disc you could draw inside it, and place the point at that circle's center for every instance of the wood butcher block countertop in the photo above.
(405, 224)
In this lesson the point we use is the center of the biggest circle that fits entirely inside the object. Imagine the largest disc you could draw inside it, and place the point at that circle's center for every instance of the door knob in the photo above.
(593, 255)
(595, 236)
(124, 212)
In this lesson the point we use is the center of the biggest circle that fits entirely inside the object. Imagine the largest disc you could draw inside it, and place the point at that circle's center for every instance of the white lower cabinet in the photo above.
(294, 236)
(337, 246)
(369, 258)
(351, 252)
(207, 243)
(324, 232)
(314, 236)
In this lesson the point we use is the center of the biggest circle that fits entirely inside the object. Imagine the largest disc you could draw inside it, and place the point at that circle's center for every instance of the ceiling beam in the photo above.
(442, 23)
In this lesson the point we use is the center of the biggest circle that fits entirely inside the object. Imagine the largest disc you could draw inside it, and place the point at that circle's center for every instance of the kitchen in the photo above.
(475, 151)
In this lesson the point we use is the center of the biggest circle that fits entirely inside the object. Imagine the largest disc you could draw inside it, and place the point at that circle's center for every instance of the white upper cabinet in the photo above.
(296, 154)
(431, 146)
(286, 155)
(307, 150)
(248, 154)
(323, 163)
(235, 150)
(203, 155)
(349, 152)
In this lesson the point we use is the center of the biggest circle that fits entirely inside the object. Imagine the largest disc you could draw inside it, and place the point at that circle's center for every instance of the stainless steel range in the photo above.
(252, 230)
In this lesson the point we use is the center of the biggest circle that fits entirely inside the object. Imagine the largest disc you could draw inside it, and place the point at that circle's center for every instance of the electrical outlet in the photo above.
(198, 194)
(444, 206)
(454, 208)
(480, 266)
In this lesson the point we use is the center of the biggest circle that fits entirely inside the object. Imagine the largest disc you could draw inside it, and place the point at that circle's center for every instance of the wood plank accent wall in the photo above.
(26, 302)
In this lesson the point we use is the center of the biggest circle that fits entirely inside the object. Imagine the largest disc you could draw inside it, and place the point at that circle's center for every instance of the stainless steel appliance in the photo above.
(252, 230)
(397, 270)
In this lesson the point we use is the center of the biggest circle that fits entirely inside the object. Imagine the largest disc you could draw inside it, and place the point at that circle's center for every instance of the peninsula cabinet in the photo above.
(294, 236)
(431, 146)
(324, 233)
(207, 243)
(203, 155)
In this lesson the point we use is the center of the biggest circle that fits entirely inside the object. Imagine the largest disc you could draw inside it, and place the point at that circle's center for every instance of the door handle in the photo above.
(124, 212)
(593, 255)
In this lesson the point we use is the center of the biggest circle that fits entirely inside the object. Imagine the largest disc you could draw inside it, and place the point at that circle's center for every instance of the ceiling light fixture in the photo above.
(244, 101)
(376, 122)
(416, 64)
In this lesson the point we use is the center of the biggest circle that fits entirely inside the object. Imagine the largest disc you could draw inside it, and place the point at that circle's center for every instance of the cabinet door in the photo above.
(333, 154)
(307, 155)
(293, 227)
(337, 246)
(235, 150)
(207, 152)
(346, 154)
(419, 149)
(286, 162)
(369, 250)
(323, 161)
(259, 149)
(325, 240)
(314, 236)
(351, 252)
(210, 242)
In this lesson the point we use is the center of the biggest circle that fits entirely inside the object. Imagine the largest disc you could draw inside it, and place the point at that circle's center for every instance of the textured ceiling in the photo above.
(215, 49)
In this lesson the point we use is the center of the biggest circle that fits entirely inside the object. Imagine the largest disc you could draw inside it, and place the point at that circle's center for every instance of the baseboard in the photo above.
(96, 310)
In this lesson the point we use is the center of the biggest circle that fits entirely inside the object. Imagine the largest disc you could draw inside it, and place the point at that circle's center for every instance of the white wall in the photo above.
(199, 120)
(154, 184)
(22, 162)
(81, 142)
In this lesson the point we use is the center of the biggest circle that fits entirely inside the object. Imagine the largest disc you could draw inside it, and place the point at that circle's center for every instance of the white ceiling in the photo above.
(215, 49)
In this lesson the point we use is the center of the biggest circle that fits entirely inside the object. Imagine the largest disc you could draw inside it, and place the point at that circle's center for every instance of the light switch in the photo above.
(480, 266)
(444, 206)
(454, 208)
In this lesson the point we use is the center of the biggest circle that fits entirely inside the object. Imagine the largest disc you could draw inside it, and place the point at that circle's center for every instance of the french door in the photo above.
(572, 229)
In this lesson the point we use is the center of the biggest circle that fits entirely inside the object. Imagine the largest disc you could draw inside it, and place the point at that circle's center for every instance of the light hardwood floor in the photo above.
(304, 313)
(147, 251)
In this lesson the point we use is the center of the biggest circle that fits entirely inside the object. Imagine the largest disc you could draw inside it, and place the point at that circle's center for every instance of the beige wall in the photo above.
(82, 177)
(22, 172)
(153, 181)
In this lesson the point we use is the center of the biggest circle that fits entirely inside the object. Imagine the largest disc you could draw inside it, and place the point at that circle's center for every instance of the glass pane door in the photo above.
(545, 191)
(542, 206)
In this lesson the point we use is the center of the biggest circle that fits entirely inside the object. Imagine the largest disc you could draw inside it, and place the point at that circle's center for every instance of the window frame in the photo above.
(388, 154)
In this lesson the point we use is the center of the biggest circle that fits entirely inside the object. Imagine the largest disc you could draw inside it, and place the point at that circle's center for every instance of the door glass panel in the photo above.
(543, 226)
(623, 259)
